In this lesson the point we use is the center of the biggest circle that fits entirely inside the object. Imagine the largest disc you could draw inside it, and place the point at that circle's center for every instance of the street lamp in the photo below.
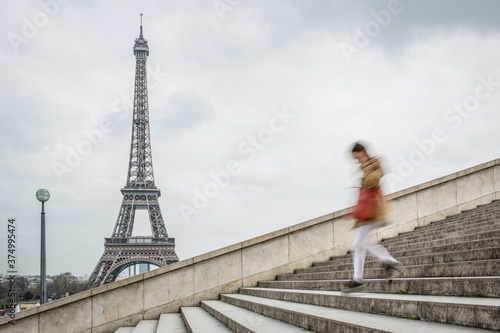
(43, 195)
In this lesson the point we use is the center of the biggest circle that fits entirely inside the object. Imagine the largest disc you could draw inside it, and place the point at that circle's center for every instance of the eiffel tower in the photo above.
(122, 250)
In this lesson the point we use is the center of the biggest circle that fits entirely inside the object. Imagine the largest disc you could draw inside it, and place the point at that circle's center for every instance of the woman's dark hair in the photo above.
(358, 147)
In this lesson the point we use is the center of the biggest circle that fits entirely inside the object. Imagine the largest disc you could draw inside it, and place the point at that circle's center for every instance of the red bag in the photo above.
(367, 204)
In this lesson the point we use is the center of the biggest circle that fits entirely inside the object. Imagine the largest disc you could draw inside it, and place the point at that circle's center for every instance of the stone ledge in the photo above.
(168, 268)
(117, 284)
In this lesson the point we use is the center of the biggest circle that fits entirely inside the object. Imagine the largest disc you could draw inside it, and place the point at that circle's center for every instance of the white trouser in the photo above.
(360, 247)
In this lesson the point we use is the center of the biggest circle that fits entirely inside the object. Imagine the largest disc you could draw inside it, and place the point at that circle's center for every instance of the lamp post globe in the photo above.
(42, 195)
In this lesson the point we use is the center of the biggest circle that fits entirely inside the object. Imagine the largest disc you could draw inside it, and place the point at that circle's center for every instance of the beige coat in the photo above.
(372, 172)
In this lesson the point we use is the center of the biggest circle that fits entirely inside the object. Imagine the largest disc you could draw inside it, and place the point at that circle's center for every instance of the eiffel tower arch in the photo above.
(121, 250)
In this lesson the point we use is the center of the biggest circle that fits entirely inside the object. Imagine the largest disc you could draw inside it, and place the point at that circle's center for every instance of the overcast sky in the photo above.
(273, 91)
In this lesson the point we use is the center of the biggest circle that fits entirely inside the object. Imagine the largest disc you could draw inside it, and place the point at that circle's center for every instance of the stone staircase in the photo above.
(451, 284)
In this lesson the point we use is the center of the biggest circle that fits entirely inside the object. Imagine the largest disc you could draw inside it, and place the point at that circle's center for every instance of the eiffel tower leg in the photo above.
(156, 219)
(125, 221)
(100, 271)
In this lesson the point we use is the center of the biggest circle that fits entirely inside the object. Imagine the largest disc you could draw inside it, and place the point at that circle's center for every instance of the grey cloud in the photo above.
(186, 109)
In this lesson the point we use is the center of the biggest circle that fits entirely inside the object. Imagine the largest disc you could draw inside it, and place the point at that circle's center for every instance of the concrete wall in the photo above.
(186, 283)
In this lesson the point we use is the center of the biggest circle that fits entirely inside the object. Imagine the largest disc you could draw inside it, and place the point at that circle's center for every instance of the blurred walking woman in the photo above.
(370, 214)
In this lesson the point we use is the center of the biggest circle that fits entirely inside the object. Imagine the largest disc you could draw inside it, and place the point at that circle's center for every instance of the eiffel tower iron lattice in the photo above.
(122, 250)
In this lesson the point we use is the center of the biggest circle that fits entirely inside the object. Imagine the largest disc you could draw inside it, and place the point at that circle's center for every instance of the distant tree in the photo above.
(62, 284)
(34, 288)
(3, 287)
(22, 284)
(28, 295)
(3, 292)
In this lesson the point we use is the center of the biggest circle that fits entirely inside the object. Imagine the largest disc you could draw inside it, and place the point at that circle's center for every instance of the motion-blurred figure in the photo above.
(372, 173)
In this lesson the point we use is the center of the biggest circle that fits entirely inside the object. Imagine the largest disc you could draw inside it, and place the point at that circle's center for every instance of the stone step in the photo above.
(125, 330)
(171, 323)
(454, 237)
(146, 326)
(199, 321)
(412, 251)
(469, 286)
(463, 311)
(417, 238)
(346, 258)
(432, 242)
(246, 321)
(443, 225)
(473, 214)
(447, 225)
(470, 255)
(324, 319)
(479, 212)
(488, 210)
(470, 216)
(463, 222)
(456, 230)
(410, 259)
(462, 269)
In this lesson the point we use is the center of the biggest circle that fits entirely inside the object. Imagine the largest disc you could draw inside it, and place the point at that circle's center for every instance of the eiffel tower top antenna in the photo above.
(140, 35)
